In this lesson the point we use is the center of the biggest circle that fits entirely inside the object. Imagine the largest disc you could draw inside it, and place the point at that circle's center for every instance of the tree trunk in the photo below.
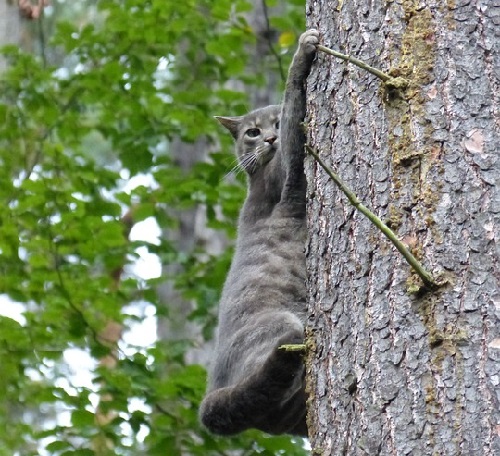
(191, 230)
(10, 27)
(393, 370)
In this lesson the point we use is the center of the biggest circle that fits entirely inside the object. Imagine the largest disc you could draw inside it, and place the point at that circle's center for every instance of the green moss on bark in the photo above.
(412, 150)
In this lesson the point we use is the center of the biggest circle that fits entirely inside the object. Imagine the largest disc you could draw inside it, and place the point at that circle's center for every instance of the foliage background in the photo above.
(108, 86)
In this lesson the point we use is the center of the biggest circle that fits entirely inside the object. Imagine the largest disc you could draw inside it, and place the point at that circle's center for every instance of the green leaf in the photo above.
(82, 418)
(58, 445)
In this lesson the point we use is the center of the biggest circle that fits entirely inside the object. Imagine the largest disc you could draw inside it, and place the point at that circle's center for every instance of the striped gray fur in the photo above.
(251, 383)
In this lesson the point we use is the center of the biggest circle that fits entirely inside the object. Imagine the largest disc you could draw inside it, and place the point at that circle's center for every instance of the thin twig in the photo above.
(412, 261)
(41, 33)
(270, 44)
(293, 347)
(389, 80)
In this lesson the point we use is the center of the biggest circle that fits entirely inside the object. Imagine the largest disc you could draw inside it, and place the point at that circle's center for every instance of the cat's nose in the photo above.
(271, 139)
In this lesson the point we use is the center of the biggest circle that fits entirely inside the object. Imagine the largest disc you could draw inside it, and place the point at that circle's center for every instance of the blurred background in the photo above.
(119, 203)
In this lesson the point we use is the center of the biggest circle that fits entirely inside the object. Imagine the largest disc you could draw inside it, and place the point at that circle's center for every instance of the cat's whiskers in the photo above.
(259, 151)
(249, 161)
(236, 168)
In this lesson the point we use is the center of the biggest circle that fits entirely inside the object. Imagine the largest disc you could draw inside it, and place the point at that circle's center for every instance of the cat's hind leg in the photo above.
(261, 400)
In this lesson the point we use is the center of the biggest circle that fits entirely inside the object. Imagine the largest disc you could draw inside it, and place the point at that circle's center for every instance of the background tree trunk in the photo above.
(192, 228)
(391, 371)
(10, 27)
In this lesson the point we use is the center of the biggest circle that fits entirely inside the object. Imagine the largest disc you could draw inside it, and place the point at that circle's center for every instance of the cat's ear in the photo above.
(231, 123)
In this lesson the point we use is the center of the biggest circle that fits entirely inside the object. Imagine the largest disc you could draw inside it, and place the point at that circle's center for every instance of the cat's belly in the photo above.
(268, 273)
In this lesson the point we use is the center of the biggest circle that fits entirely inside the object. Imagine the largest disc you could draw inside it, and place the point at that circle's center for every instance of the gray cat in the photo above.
(253, 384)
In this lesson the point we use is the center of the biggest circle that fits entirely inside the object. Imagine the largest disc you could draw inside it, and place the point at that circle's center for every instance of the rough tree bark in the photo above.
(391, 370)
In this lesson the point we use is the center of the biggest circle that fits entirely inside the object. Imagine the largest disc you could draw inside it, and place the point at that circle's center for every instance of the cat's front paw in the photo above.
(309, 41)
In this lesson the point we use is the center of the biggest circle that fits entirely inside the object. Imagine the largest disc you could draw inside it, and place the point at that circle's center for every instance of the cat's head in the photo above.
(256, 135)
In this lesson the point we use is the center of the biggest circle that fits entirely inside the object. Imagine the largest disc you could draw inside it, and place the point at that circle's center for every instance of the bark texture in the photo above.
(391, 371)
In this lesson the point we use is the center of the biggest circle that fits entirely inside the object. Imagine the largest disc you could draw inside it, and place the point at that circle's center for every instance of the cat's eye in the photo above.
(253, 132)
(277, 125)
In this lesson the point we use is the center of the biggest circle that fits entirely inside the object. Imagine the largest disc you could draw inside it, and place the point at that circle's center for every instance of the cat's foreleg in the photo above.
(292, 116)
